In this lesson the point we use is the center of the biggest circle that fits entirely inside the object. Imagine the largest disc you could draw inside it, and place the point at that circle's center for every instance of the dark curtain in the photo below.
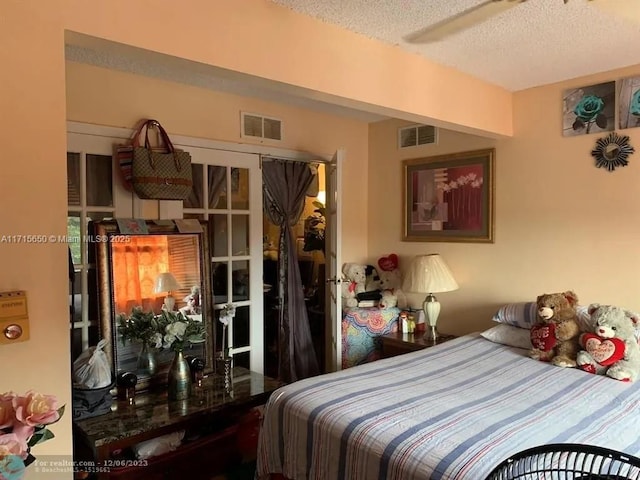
(285, 184)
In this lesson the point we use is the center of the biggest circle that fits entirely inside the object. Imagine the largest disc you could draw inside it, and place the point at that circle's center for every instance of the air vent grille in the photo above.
(416, 135)
(259, 126)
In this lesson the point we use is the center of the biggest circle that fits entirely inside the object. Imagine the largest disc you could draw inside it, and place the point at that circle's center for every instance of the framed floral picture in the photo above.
(449, 198)
(629, 103)
(589, 109)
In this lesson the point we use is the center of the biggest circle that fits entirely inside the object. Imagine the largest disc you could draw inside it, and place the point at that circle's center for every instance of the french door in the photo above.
(227, 193)
(333, 337)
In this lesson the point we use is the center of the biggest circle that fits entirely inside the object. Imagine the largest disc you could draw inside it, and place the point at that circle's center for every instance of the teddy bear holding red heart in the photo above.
(554, 336)
(611, 348)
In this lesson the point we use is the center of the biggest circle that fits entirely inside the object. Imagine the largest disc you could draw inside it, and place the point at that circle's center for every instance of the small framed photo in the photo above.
(449, 198)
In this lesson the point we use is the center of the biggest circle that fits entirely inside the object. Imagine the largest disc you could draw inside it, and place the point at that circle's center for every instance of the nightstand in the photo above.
(398, 343)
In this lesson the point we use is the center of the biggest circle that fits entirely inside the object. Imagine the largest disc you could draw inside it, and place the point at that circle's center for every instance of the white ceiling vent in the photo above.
(416, 135)
(259, 126)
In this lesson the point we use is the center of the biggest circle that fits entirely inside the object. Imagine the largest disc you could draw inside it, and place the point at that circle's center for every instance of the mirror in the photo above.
(163, 268)
(612, 151)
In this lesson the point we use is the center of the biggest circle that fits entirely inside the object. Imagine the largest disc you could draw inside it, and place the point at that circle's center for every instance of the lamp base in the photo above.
(431, 335)
(431, 308)
(169, 303)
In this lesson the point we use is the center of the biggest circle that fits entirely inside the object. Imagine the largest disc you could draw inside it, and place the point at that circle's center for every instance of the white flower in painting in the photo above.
(446, 187)
(453, 185)
(472, 176)
(477, 183)
(441, 186)
(462, 180)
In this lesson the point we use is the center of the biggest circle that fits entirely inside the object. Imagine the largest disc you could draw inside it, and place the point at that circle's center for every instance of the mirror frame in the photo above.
(610, 160)
(104, 229)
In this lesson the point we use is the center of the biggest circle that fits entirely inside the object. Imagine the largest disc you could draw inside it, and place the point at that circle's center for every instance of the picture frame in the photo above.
(589, 109)
(449, 198)
(629, 103)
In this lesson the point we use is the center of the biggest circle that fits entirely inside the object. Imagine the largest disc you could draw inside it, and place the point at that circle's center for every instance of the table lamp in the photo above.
(430, 274)
(166, 282)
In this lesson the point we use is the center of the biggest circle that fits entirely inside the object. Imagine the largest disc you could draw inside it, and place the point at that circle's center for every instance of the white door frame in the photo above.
(333, 264)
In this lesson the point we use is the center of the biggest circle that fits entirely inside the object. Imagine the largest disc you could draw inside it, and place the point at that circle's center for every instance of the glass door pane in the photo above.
(99, 180)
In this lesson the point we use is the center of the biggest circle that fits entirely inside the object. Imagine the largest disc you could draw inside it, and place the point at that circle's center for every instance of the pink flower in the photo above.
(10, 444)
(23, 432)
(7, 414)
(34, 409)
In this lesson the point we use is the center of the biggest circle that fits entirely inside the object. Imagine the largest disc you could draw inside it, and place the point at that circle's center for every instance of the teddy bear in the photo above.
(391, 278)
(388, 300)
(611, 348)
(373, 279)
(353, 283)
(555, 335)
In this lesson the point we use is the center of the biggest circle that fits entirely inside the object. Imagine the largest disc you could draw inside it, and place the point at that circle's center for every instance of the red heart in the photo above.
(389, 263)
(543, 336)
(605, 351)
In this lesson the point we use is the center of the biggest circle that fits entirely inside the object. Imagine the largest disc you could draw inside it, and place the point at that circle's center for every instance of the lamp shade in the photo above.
(166, 282)
(429, 274)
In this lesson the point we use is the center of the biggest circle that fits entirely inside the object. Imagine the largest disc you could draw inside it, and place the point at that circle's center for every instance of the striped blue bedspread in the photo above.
(448, 412)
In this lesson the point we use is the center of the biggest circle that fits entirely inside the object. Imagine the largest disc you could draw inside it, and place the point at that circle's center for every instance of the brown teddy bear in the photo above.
(556, 333)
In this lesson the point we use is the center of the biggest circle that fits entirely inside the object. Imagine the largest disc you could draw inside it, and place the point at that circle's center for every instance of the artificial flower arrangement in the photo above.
(169, 330)
(140, 326)
(23, 424)
(226, 315)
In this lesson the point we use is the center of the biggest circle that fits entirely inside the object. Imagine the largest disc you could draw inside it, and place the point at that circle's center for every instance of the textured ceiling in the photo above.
(535, 43)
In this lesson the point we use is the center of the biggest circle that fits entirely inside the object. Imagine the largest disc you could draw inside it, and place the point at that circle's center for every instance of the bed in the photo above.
(453, 411)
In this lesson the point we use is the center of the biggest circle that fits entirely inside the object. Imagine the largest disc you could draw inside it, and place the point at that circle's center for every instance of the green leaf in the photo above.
(578, 124)
(40, 437)
(60, 414)
(601, 120)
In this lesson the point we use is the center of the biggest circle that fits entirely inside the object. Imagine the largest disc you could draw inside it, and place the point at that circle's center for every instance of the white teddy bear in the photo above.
(611, 348)
(388, 300)
(391, 281)
(353, 283)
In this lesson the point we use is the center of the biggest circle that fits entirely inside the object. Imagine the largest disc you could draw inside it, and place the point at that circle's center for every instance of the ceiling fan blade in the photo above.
(462, 20)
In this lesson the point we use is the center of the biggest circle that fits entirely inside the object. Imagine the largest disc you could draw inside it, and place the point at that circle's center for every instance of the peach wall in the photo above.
(33, 195)
(560, 223)
(309, 53)
(107, 97)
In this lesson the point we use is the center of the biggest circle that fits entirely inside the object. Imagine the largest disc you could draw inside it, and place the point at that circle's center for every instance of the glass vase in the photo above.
(223, 368)
(179, 379)
(147, 362)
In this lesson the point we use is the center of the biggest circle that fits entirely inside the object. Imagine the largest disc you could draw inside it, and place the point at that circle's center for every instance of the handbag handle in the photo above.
(147, 145)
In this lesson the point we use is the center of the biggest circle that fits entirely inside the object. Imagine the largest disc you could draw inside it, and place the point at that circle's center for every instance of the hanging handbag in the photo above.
(153, 172)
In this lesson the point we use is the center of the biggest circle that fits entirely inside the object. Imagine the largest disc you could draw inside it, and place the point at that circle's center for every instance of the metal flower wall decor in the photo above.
(612, 151)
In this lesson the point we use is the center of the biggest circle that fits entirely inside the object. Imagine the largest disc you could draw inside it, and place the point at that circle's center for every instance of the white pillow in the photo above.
(509, 335)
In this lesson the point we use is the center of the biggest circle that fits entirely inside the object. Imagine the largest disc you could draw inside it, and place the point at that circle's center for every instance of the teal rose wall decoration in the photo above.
(589, 110)
(634, 107)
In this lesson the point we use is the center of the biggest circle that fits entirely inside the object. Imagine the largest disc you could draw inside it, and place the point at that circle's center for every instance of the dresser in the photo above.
(216, 421)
